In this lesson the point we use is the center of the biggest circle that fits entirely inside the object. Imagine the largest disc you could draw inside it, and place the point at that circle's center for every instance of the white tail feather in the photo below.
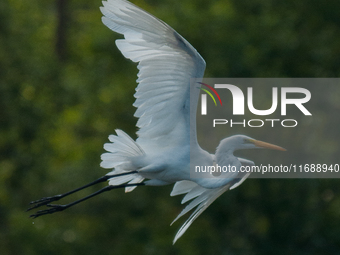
(120, 151)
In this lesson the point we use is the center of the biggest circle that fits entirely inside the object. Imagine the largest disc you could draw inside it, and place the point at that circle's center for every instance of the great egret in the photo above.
(161, 153)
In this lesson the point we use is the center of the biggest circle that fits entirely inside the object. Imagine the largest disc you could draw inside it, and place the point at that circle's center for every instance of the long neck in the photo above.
(224, 154)
(226, 158)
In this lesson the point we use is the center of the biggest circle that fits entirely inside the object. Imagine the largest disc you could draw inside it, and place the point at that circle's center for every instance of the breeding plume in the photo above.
(161, 153)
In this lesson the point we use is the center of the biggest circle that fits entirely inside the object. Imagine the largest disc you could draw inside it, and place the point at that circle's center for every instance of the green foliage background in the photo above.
(58, 107)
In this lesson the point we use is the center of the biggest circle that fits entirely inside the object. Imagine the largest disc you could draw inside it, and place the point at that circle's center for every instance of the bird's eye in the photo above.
(246, 141)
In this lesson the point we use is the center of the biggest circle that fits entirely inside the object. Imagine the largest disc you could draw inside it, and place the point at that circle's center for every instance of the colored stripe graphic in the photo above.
(208, 92)
(213, 90)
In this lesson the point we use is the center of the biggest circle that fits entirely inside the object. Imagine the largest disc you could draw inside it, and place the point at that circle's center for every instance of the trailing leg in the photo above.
(58, 208)
(47, 200)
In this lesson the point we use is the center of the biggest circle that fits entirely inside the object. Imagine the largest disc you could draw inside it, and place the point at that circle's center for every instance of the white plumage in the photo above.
(166, 108)
(166, 64)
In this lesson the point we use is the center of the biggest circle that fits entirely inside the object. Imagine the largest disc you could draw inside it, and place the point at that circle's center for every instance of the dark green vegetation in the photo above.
(64, 87)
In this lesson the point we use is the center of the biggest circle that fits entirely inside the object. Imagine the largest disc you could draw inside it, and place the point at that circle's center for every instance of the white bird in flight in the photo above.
(167, 124)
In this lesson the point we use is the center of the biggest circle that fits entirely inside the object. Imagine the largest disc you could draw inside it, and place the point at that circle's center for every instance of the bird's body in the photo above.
(166, 147)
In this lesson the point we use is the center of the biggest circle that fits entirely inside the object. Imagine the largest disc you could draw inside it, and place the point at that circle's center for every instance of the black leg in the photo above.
(46, 200)
(58, 208)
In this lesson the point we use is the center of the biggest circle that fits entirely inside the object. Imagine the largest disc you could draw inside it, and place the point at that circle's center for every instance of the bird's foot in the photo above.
(43, 201)
(53, 209)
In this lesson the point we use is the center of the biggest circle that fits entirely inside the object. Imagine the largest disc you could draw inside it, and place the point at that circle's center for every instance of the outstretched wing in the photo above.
(202, 197)
(166, 64)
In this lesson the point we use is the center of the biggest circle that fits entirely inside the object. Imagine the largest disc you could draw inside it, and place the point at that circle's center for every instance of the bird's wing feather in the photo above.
(182, 187)
(242, 176)
(166, 64)
(204, 197)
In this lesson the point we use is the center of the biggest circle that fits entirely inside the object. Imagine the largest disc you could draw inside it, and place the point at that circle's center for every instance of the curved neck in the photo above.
(224, 156)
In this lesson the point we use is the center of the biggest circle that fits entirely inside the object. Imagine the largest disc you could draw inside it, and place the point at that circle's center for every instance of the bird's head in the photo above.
(238, 142)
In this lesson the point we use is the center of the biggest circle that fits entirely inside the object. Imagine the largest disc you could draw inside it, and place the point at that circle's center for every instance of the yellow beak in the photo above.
(267, 145)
